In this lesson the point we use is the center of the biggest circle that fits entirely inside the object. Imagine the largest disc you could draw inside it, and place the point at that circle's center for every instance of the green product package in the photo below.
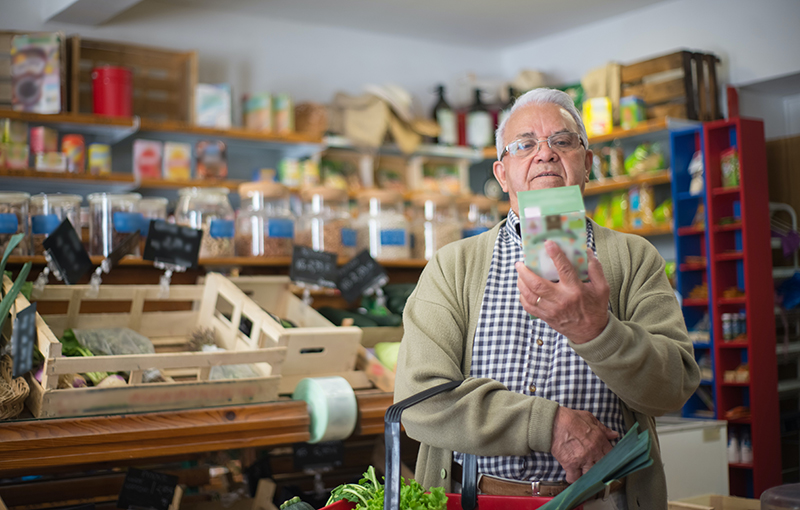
(557, 214)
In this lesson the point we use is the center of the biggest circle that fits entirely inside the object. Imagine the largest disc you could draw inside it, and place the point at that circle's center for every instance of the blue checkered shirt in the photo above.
(506, 348)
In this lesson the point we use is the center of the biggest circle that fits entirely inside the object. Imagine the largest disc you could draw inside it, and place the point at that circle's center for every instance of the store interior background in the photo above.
(313, 49)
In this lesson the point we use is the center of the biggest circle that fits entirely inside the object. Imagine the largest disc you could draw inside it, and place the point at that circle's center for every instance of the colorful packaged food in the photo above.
(13, 131)
(631, 111)
(74, 148)
(36, 72)
(147, 159)
(597, 116)
(99, 159)
(729, 161)
(212, 159)
(283, 111)
(177, 161)
(51, 162)
(43, 139)
(17, 155)
(257, 112)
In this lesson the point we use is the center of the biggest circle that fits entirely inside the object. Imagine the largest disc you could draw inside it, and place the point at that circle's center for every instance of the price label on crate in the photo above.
(147, 489)
(172, 244)
(124, 248)
(67, 253)
(317, 267)
(358, 275)
(23, 338)
(327, 454)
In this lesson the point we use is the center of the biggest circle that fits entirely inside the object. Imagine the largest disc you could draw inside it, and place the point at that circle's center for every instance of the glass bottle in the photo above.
(446, 118)
(381, 226)
(326, 223)
(478, 213)
(209, 210)
(112, 218)
(506, 108)
(47, 211)
(434, 224)
(14, 220)
(479, 124)
(265, 225)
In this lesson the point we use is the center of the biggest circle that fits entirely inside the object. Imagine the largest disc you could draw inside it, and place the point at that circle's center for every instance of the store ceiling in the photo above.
(488, 24)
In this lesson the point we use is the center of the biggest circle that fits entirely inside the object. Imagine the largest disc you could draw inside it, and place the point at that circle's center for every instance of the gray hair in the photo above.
(542, 96)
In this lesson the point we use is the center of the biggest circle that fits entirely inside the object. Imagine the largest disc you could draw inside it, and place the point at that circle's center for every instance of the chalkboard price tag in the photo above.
(125, 247)
(172, 244)
(67, 253)
(23, 338)
(147, 489)
(317, 267)
(359, 274)
(318, 455)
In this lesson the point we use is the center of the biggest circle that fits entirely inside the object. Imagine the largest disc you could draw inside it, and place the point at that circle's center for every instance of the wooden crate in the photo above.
(680, 85)
(163, 81)
(316, 348)
(5, 68)
(217, 304)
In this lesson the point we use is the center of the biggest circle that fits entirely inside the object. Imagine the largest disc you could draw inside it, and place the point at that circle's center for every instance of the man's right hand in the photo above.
(579, 441)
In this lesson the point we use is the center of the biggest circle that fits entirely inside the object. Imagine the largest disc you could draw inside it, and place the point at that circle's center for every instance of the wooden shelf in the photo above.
(30, 173)
(729, 227)
(643, 128)
(734, 255)
(732, 301)
(725, 191)
(734, 345)
(232, 185)
(625, 182)
(28, 445)
(233, 132)
(735, 384)
(84, 119)
(692, 267)
(650, 231)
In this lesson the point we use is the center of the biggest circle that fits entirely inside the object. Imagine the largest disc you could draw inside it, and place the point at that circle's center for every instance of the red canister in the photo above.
(113, 91)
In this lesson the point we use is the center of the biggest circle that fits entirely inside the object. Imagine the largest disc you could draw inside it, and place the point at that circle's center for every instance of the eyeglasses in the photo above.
(559, 142)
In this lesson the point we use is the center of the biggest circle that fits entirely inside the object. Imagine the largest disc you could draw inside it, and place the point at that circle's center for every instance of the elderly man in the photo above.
(542, 399)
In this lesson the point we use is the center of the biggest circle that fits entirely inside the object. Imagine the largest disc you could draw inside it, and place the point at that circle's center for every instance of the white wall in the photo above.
(768, 107)
(756, 40)
(257, 54)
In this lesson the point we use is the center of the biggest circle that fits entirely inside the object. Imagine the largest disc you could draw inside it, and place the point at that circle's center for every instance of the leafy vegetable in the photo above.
(368, 493)
(71, 347)
(296, 504)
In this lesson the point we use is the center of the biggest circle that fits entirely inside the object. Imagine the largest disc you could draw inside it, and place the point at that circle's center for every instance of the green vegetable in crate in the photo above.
(296, 504)
(387, 353)
(336, 316)
(367, 494)
(71, 347)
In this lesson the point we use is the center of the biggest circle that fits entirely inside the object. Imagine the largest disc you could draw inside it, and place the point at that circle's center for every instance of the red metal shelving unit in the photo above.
(740, 257)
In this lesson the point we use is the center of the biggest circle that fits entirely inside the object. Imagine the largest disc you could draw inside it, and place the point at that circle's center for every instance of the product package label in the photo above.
(280, 228)
(393, 237)
(127, 222)
(221, 229)
(555, 214)
(348, 237)
(44, 223)
(9, 223)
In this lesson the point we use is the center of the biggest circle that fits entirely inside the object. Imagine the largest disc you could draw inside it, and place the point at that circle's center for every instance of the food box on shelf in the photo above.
(316, 348)
(167, 321)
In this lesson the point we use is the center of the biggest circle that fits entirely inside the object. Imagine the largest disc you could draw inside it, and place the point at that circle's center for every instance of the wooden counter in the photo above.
(29, 447)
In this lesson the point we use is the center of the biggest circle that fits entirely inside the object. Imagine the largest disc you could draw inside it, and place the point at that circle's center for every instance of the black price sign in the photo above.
(318, 267)
(147, 489)
(359, 274)
(172, 244)
(67, 253)
(318, 455)
(23, 337)
(125, 247)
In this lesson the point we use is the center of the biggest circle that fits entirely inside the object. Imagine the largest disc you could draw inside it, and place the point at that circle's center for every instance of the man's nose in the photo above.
(545, 153)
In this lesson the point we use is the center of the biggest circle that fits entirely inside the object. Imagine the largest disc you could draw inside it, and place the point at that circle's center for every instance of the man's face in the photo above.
(547, 168)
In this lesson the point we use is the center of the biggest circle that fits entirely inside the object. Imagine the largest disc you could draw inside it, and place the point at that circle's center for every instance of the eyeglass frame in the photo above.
(539, 142)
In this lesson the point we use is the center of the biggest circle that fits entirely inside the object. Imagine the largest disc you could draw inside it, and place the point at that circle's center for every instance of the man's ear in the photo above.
(500, 174)
(588, 164)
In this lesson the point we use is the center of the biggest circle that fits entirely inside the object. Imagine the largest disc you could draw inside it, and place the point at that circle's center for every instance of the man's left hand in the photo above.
(576, 309)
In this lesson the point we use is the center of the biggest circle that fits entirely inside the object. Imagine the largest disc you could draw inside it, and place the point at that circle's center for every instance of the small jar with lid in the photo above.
(209, 210)
(48, 211)
(478, 213)
(434, 224)
(112, 218)
(14, 220)
(325, 224)
(381, 226)
(265, 225)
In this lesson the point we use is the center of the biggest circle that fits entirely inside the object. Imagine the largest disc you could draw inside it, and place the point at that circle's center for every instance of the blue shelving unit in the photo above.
(691, 240)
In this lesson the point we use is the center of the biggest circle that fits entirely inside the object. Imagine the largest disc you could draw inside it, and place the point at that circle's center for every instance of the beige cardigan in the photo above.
(644, 356)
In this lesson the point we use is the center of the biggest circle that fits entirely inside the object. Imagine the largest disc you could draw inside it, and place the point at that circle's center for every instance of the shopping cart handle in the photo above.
(391, 495)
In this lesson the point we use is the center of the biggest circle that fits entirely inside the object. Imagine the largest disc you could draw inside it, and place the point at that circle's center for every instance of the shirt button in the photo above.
(539, 342)
(532, 388)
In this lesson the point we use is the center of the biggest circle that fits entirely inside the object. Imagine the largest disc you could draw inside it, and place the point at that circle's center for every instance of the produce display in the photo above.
(367, 494)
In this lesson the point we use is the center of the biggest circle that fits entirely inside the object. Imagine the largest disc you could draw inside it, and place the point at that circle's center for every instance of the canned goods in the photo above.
(74, 148)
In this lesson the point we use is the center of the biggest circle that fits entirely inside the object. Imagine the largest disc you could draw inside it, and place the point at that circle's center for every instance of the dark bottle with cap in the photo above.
(446, 118)
(479, 124)
(506, 108)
